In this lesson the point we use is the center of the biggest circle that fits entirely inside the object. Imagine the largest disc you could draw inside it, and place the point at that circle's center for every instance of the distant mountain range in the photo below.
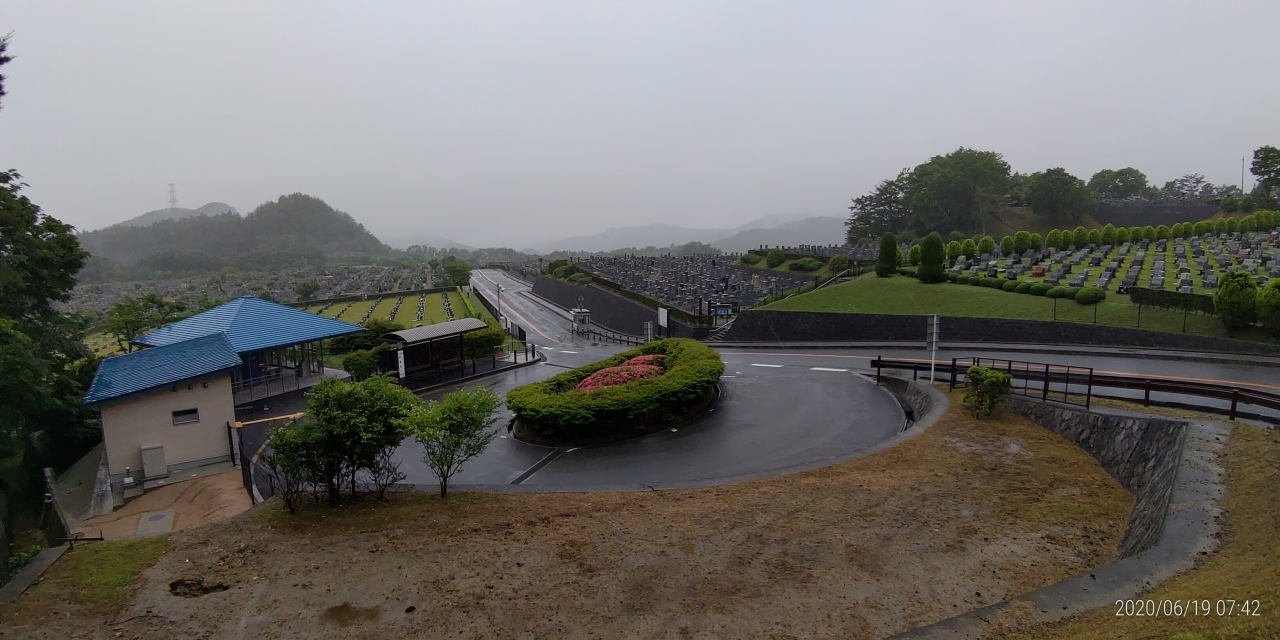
(772, 231)
(152, 217)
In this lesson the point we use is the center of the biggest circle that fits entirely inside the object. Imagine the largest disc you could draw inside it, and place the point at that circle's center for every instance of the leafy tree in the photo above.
(1162, 233)
(969, 248)
(931, 260)
(987, 245)
(1109, 234)
(1119, 184)
(1059, 196)
(1201, 228)
(360, 364)
(1054, 239)
(454, 430)
(953, 250)
(884, 210)
(1021, 242)
(1236, 301)
(374, 329)
(887, 261)
(1080, 237)
(1266, 168)
(133, 317)
(985, 389)
(1037, 241)
(1149, 233)
(457, 272)
(1176, 230)
(1006, 245)
(1095, 236)
(774, 258)
(1122, 235)
(913, 255)
(481, 343)
(1269, 307)
(306, 289)
(957, 191)
(1220, 226)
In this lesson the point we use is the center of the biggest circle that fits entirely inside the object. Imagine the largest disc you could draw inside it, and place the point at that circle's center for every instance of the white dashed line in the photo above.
(771, 366)
(826, 369)
(563, 351)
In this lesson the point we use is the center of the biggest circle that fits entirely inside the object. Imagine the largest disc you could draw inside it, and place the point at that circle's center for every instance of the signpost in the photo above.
(931, 336)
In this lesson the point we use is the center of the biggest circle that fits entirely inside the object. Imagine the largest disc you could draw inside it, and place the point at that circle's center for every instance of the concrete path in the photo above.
(29, 574)
(182, 505)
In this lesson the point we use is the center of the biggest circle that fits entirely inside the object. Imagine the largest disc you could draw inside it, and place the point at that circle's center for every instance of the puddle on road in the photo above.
(345, 614)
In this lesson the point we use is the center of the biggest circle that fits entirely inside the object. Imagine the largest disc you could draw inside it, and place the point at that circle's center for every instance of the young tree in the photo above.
(953, 250)
(1095, 237)
(1080, 237)
(1201, 228)
(1037, 241)
(1269, 307)
(1054, 239)
(349, 425)
(887, 261)
(454, 430)
(838, 264)
(1162, 232)
(987, 245)
(1021, 242)
(969, 248)
(360, 364)
(1006, 246)
(913, 255)
(1122, 235)
(1109, 234)
(1236, 301)
(931, 260)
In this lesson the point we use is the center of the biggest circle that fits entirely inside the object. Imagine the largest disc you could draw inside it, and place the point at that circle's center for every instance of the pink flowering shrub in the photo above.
(620, 374)
(653, 359)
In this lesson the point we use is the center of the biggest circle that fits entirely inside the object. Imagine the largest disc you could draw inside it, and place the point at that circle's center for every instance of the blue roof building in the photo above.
(251, 324)
(149, 369)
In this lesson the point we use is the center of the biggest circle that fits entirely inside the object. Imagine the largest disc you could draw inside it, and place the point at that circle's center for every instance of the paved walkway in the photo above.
(183, 504)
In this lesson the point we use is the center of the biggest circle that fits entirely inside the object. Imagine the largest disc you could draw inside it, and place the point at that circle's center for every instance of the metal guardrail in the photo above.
(1041, 379)
(609, 336)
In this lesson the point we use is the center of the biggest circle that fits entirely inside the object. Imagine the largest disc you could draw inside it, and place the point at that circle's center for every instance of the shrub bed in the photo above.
(557, 412)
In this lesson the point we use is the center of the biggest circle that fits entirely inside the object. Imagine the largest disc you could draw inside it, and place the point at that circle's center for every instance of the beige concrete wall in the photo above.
(147, 419)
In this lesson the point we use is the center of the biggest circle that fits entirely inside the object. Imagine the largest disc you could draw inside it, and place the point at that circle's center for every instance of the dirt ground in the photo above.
(194, 502)
(967, 514)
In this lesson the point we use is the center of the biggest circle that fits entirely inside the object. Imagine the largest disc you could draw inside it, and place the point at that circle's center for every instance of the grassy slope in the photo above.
(95, 576)
(1246, 568)
(904, 295)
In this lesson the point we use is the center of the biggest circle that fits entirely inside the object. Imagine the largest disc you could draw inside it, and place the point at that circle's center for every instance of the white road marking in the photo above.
(563, 351)
(826, 369)
(772, 366)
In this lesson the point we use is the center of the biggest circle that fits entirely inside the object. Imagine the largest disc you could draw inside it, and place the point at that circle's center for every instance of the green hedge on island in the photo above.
(555, 411)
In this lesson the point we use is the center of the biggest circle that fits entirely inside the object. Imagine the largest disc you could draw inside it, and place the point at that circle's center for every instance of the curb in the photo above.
(27, 576)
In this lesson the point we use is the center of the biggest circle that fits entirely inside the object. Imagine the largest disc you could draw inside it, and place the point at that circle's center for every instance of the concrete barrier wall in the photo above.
(1142, 454)
(609, 309)
(758, 325)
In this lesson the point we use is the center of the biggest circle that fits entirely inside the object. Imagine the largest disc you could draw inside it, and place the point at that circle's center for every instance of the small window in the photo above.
(186, 417)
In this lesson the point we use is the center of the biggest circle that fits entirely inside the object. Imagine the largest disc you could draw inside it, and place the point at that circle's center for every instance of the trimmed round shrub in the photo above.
(1071, 293)
(1090, 295)
(962, 279)
(750, 258)
(932, 256)
(1009, 285)
(804, 264)
(1057, 292)
(1236, 300)
(1023, 287)
(774, 258)
(1040, 289)
(976, 281)
(556, 411)
(994, 283)
(887, 260)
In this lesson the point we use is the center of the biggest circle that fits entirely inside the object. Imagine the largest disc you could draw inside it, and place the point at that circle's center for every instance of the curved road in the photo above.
(782, 410)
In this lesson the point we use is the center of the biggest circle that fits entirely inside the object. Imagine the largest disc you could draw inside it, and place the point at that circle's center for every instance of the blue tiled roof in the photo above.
(251, 324)
(162, 366)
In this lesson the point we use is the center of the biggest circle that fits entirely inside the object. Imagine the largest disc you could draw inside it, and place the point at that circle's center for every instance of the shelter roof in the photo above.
(162, 366)
(251, 324)
(435, 331)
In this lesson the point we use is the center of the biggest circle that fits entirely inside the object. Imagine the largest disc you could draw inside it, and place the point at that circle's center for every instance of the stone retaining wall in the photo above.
(1141, 453)
(914, 393)
(611, 310)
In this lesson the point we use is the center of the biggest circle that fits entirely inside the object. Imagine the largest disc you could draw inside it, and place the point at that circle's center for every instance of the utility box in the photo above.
(153, 462)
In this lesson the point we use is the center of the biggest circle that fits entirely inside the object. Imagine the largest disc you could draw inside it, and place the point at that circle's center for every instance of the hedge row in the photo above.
(1092, 295)
(555, 411)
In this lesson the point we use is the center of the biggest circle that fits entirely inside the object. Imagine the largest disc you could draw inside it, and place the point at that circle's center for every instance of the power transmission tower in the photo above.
(173, 197)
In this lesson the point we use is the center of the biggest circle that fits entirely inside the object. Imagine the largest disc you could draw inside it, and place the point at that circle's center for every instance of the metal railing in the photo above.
(1060, 383)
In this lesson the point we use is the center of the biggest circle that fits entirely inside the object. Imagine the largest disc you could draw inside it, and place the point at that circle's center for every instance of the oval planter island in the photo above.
(634, 393)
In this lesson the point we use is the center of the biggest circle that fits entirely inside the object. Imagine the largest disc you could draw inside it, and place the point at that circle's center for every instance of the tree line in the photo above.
(962, 190)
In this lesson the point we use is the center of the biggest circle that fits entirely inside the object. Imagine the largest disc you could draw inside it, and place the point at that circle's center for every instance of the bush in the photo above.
(1040, 289)
(1269, 307)
(555, 411)
(932, 256)
(1006, 246)
(994, 283)
(962, 279)
(887, 260)
(774, 258)
(1009, 285)
(985, 390)
(913, 256)
(804, 264)
(838, 264)
(750, 258)
(1236, 300)
(986, 245)
(1021, 242)
(1090, 295)
(951, 277)
(976, 281)
(1057, 292)
(481, 343)
(360, 364)
(1023, 287)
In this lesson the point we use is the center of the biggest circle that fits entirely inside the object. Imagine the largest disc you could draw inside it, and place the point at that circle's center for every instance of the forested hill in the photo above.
(292, 229)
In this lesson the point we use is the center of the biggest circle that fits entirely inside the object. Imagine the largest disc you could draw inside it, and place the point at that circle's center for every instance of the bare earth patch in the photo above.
(967, 514)
(194, 502)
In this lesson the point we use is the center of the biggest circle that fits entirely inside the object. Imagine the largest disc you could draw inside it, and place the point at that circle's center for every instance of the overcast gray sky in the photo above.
(516, 122)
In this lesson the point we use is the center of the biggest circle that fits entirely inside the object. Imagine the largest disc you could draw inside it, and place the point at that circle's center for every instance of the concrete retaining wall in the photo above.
(1141, 453)
(758, 325)
(611, 310)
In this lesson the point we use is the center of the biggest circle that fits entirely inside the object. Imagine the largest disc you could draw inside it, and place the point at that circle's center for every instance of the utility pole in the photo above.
(1241, 179)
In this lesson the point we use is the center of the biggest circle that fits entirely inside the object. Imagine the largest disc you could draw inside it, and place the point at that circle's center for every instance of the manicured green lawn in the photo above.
(908, 296)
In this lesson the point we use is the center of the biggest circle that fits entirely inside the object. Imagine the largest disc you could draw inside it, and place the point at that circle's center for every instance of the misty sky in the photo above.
(508, 124)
